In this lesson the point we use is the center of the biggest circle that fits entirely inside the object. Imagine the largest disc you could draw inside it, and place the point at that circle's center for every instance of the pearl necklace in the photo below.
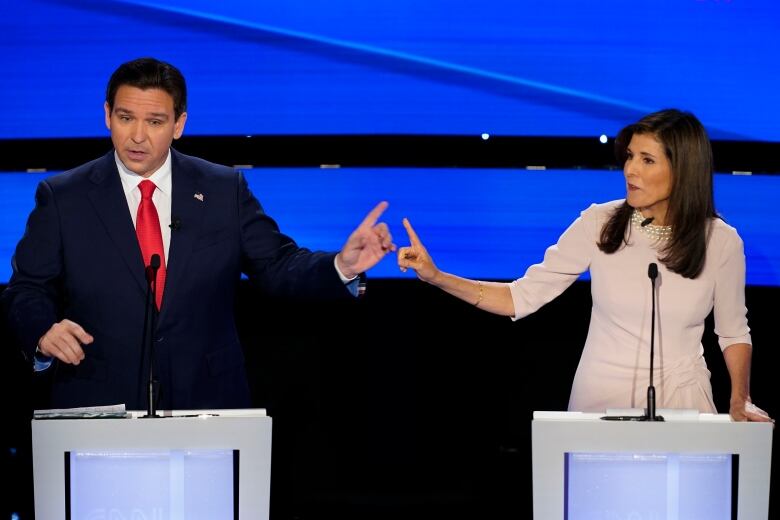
(654, 232)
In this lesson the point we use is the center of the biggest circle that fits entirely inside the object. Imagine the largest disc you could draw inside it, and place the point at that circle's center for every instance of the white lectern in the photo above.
(690, 466)
(186, 465)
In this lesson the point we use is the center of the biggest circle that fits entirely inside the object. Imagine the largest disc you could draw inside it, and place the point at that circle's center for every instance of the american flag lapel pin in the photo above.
(199, 196)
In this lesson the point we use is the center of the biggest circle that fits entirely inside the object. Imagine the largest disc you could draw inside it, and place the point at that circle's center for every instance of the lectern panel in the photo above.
(192, 484)
(184, 465)
(650, 485)
(690, 466)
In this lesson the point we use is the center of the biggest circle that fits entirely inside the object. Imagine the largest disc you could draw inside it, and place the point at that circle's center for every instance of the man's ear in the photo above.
(108, 115)
(178, 126)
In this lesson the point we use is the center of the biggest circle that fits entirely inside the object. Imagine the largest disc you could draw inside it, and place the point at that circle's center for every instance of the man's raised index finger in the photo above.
(374, 214)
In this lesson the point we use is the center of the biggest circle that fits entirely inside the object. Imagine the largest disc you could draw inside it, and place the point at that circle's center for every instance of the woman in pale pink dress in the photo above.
(668, 217)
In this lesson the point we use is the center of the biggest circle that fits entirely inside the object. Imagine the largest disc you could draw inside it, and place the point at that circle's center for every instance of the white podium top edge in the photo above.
(228, 412)
(669, 415)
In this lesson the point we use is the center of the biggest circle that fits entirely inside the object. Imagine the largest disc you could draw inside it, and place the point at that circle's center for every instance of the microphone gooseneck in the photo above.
(150, 318)
(652, 273)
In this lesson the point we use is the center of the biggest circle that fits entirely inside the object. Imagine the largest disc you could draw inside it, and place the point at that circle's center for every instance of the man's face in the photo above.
(143, 126)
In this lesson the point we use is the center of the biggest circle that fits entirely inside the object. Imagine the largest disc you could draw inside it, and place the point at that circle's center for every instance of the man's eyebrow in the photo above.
(158, 115)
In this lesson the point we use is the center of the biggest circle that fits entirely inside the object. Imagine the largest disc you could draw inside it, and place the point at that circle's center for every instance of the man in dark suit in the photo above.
(75, 301)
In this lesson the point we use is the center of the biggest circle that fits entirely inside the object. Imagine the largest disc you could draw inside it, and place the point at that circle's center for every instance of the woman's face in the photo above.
(648, 176)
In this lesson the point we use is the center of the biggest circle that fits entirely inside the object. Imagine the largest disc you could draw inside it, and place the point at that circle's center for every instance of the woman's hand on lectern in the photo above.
(745, 410)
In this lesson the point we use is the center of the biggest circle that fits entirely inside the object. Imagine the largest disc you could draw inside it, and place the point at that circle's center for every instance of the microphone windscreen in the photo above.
(154, 263)
(652, 270)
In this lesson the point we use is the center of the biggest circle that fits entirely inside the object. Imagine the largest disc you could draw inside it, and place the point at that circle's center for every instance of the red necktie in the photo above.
(147, 227)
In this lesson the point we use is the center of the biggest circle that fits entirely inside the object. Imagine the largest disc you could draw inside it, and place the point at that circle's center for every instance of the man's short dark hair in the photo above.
(148, 73)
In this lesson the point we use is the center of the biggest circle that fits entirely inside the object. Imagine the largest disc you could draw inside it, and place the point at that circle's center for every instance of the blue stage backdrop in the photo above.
(482, 223)
(504, 67)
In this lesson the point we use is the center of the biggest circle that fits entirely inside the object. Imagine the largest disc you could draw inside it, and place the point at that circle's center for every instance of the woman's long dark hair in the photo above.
(691, 202)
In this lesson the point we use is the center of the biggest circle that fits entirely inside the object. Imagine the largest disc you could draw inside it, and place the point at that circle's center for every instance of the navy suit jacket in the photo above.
(79, 259)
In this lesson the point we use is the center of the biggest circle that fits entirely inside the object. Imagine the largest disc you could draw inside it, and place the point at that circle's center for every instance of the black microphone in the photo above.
(652, 272)
(150, 318)
(175, 224)
(151, 273)
(644, 223)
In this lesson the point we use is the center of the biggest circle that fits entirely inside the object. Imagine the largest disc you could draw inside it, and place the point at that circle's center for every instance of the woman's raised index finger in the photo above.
(413, 238)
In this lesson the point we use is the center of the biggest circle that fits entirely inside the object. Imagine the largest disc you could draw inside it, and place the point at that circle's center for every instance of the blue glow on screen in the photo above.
(156, 484)
(481, 223)
(504, 67)
(673, 485)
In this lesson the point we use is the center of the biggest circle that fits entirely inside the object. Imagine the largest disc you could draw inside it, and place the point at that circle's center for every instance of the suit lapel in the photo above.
(108, 199)
(187, 207)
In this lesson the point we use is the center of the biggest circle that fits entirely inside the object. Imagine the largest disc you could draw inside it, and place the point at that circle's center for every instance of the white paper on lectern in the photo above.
(85, 412)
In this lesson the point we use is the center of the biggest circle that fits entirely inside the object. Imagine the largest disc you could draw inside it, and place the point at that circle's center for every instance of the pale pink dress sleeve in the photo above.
(729, 311)
(563, 263)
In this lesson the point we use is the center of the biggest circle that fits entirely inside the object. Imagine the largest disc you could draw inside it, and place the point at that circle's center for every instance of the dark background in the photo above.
(405, 404)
